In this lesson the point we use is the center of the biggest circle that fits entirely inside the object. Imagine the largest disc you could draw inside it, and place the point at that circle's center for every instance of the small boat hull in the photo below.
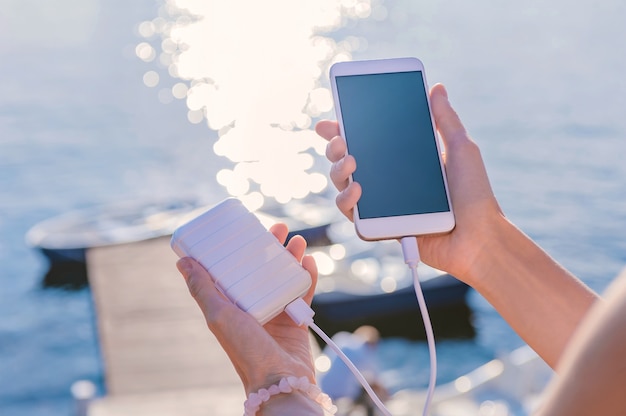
(398, 313)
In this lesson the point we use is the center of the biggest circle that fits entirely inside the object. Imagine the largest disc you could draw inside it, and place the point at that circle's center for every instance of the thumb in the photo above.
(447, 120)
(201, 286)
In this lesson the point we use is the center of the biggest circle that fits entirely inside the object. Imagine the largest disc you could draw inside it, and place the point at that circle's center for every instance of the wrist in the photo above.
(291, 395)
(294, 403)
(263, 379)
(494, 247)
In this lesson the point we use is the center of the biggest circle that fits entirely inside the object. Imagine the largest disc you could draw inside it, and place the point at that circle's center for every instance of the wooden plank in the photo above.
(192, 402)
(215, 401)
(152, 334)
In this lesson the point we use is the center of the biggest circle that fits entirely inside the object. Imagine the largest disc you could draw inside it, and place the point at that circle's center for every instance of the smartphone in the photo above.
(247, 263)
(383, 110)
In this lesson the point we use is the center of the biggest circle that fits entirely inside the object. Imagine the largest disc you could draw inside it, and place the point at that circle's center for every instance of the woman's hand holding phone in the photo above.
(484, 250)
(383, 113)
(476, 210)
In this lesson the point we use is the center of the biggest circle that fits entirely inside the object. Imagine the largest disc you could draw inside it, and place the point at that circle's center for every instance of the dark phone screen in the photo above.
(389, 131)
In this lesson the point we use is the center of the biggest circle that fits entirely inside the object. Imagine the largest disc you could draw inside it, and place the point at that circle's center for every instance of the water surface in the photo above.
(539, 86)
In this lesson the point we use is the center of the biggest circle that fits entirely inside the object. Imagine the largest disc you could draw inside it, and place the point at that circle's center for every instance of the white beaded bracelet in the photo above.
(287, 385)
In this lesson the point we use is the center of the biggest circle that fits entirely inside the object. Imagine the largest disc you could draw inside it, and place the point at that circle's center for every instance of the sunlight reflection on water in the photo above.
(253, 73)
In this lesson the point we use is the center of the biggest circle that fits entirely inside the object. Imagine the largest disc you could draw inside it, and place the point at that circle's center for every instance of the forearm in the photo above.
(542, 301)
(592, 373)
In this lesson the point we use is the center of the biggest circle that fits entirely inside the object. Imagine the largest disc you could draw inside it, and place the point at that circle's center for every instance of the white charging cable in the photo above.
(412, 259)
(302, 314)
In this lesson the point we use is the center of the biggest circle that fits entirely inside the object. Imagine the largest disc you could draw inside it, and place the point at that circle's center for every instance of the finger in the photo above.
(447, 120)
(336, 149)
(227, 322)
(308, 262)
(347, 199)
(296, 246)
(280, 231)
(340, 172)
(465, 169)
(327, 129)
(202, 288)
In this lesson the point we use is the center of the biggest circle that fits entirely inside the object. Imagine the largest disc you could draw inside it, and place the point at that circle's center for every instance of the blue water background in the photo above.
(540, 86)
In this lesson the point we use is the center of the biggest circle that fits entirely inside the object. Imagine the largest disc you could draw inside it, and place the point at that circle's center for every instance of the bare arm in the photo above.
(541, 301)
(592, 372)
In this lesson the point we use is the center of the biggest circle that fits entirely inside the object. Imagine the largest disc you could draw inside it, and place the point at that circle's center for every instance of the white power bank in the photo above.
(246, 261)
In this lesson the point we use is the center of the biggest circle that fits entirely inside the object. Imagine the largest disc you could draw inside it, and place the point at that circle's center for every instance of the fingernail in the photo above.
(445, 91)
(184, 267)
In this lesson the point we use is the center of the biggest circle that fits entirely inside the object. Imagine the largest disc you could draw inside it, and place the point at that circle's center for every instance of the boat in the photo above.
(358, 282)
(510, 385)
(368, 283)
(66, 237)
(63, 240)
(439, 291)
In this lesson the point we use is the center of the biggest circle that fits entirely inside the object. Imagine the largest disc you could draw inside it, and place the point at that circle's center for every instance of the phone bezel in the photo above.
(383, 228)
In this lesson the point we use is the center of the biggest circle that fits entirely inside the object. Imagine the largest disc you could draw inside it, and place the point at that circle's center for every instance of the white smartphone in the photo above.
(383, 110)
(246, 261)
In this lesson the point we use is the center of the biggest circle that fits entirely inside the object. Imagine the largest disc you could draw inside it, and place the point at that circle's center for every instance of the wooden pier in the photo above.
(159, 358)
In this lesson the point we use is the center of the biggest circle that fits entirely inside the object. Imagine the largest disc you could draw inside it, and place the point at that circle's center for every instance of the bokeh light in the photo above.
(151, 79)
(258, 79)
(145, 52)
(322, 363)
(325, 264)
(337, 251)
